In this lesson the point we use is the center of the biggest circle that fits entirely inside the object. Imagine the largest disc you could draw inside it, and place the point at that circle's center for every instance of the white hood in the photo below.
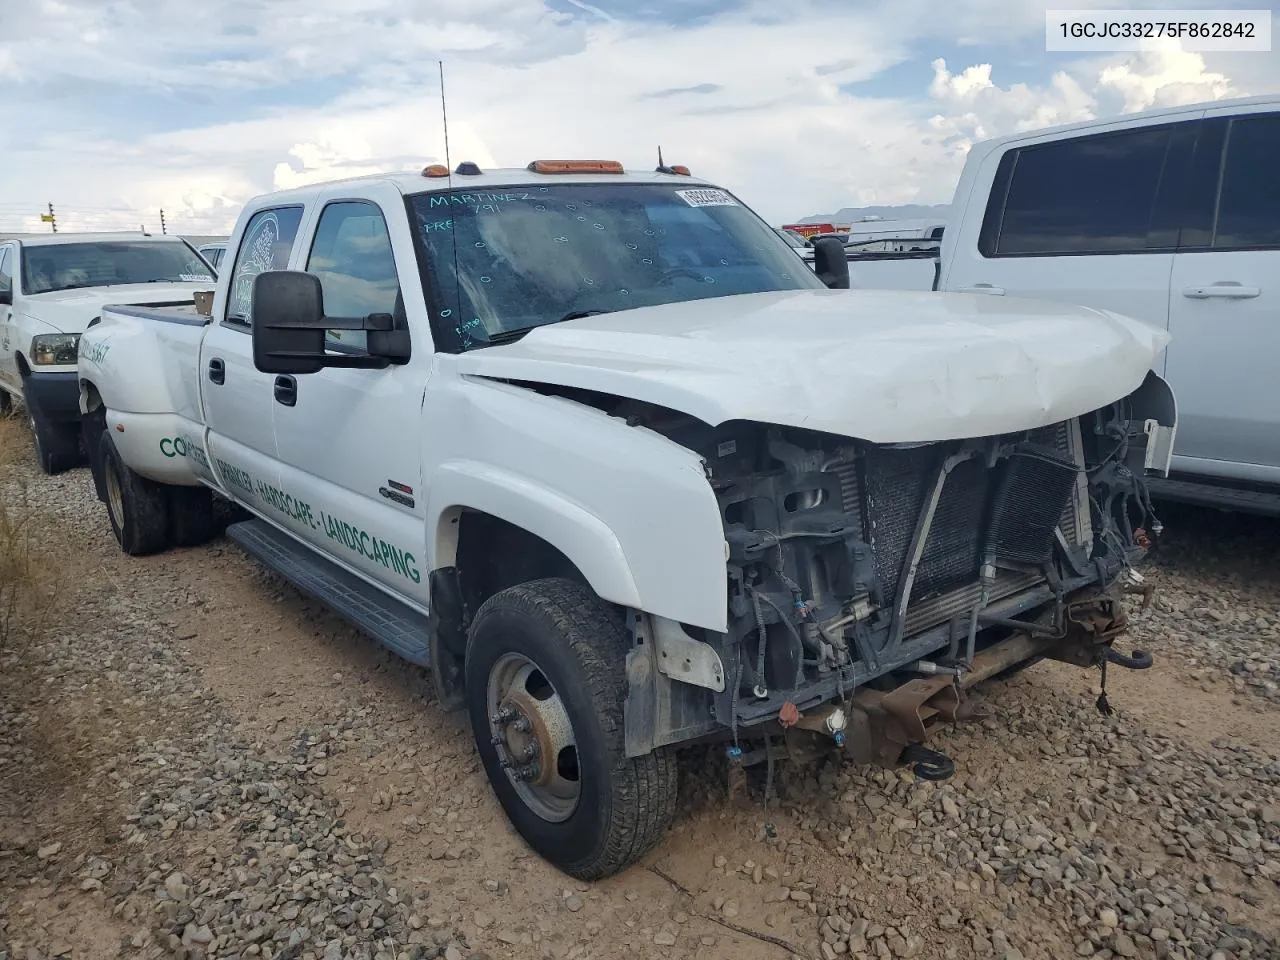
(882, 366)
(69, 311)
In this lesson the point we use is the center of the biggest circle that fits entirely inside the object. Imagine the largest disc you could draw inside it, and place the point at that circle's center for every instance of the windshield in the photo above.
(533, 255)
(46, 269)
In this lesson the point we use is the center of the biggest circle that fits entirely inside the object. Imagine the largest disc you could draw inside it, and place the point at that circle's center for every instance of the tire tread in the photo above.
(643, 802)
(147, 527)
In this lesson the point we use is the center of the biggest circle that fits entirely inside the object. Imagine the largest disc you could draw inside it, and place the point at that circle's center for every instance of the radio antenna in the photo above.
(662, 167)
(453, 227)
(444, 113)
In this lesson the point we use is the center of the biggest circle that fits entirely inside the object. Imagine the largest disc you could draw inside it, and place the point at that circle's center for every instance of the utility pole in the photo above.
(162, 226)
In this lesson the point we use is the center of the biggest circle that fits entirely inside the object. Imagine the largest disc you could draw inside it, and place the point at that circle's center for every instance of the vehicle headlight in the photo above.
(54, 348)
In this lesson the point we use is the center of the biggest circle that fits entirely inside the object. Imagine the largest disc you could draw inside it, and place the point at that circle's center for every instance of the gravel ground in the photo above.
(1221, 597)
(197, 762)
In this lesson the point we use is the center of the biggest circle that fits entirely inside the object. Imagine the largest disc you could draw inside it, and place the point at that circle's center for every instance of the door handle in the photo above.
(217, 370)
(286, 390)
(982, 288)
(1223, 290)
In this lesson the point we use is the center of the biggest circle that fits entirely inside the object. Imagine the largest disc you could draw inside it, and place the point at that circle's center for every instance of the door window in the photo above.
(266, 245)
(1085, 195)
(1249, 203)
(352, 257)
(6, 271)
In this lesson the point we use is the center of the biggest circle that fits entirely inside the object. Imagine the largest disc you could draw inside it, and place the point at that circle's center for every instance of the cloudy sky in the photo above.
(114, 109)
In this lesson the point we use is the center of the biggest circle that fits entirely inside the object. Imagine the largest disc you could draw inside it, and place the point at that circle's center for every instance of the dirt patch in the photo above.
(230, 770)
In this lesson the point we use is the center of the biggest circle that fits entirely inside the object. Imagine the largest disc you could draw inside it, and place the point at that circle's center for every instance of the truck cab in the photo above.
(51, 289)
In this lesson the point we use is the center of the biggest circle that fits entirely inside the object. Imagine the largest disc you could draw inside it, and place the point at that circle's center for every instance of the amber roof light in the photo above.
(435, 170)
(575, 166)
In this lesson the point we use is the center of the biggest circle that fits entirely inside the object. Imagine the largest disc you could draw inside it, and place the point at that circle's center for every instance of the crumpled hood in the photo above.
(884, 366)
(69, 311)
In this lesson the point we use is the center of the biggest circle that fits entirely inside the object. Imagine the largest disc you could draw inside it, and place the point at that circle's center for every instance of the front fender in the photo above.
(631, 509)
(581, 536)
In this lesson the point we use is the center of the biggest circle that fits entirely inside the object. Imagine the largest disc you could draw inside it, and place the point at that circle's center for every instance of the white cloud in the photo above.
(763, 98)
(1165, 76)
(981, 109)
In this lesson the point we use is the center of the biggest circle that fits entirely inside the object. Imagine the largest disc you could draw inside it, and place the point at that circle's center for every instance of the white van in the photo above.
(1171, 217)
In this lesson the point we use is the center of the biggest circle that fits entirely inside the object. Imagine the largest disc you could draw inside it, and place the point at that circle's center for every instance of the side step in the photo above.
(1261, 502)
(395, 625)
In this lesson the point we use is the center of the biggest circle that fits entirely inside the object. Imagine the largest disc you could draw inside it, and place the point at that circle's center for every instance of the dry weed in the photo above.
(27, 587)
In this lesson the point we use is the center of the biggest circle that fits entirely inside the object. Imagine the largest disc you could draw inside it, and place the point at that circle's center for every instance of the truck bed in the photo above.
(180, 311)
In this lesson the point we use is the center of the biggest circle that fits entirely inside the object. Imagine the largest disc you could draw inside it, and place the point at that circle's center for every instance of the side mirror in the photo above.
(6, 298)
(289, 327)
(288, 322)
(830, 263)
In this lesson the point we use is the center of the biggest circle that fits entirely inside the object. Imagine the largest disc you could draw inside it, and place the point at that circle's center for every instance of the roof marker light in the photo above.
(435, 170)
(575, 166)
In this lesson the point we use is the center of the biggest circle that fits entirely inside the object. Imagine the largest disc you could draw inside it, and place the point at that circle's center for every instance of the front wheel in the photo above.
(545, 685)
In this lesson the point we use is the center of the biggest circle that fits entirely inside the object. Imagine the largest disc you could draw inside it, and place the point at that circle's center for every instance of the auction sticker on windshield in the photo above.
(707, 198)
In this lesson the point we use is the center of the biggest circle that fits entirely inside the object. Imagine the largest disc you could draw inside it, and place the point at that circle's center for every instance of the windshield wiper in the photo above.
(511, 336)
(577, 314)
(507, 336)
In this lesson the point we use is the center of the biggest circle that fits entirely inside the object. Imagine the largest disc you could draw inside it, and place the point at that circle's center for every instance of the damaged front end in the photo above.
(870, 585)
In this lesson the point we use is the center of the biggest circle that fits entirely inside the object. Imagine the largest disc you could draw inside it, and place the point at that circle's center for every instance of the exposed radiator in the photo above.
(1035, 486)
(1014, 508)
(953, 551)
(895, 483)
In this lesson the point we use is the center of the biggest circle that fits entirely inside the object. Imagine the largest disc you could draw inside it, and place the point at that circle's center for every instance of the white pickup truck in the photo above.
(598, 449)
(51, 289)
(1171, 217)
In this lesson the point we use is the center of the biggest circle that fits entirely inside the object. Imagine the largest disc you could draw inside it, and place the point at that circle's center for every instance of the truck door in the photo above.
(1224, 303)
(348, 439)
(1087, 220)
(237, 400)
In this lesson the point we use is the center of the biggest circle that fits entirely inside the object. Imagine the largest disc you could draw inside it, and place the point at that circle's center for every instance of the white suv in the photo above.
(1171, 217)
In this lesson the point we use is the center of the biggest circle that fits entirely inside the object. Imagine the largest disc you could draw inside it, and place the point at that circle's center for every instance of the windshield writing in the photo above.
(535, 255)
(46, 269)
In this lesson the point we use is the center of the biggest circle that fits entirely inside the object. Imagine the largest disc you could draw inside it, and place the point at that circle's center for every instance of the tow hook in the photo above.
(928, 764)
(1138, 660)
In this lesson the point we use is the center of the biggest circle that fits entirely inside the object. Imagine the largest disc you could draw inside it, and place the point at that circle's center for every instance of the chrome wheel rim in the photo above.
(530, 729)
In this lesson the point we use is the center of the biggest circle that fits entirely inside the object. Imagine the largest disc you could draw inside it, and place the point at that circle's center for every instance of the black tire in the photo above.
(57, 445)
(191, 515)
(92, 428)
(579, 644)
(138, 508)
